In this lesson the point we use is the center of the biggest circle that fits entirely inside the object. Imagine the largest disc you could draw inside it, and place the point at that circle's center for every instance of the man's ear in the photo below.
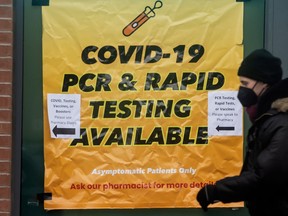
(265, 86)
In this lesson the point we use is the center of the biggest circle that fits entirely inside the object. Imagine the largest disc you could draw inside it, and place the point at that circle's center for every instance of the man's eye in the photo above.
(244, 84)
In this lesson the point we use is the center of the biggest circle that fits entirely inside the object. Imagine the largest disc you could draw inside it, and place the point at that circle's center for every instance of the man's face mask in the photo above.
(247, 96)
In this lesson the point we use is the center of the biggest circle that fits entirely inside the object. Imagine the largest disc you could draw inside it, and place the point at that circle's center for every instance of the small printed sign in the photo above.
(225, 114)
(64, 115)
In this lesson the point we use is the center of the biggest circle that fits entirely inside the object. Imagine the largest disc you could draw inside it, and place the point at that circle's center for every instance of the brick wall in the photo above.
(6, 38)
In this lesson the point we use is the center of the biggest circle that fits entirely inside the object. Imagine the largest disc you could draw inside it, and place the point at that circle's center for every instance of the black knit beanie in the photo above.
(261, 65)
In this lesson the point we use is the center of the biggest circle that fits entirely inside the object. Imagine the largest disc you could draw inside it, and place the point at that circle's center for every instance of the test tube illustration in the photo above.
(142, 18)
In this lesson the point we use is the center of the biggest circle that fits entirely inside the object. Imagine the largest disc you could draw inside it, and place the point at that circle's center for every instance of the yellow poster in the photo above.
(139, 101)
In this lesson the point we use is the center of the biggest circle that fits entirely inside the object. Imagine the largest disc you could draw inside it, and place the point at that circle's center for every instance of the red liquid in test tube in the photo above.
(141, 19)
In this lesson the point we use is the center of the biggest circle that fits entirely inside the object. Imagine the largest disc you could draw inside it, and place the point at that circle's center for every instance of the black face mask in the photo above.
(247, 96)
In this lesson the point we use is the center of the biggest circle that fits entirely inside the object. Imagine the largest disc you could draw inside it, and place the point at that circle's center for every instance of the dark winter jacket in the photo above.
(263, 181)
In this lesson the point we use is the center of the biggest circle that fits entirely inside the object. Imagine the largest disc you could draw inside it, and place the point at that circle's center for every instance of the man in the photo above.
(263, 181)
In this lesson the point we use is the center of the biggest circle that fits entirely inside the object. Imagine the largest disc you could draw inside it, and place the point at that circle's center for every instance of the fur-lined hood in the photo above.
(281, 105)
